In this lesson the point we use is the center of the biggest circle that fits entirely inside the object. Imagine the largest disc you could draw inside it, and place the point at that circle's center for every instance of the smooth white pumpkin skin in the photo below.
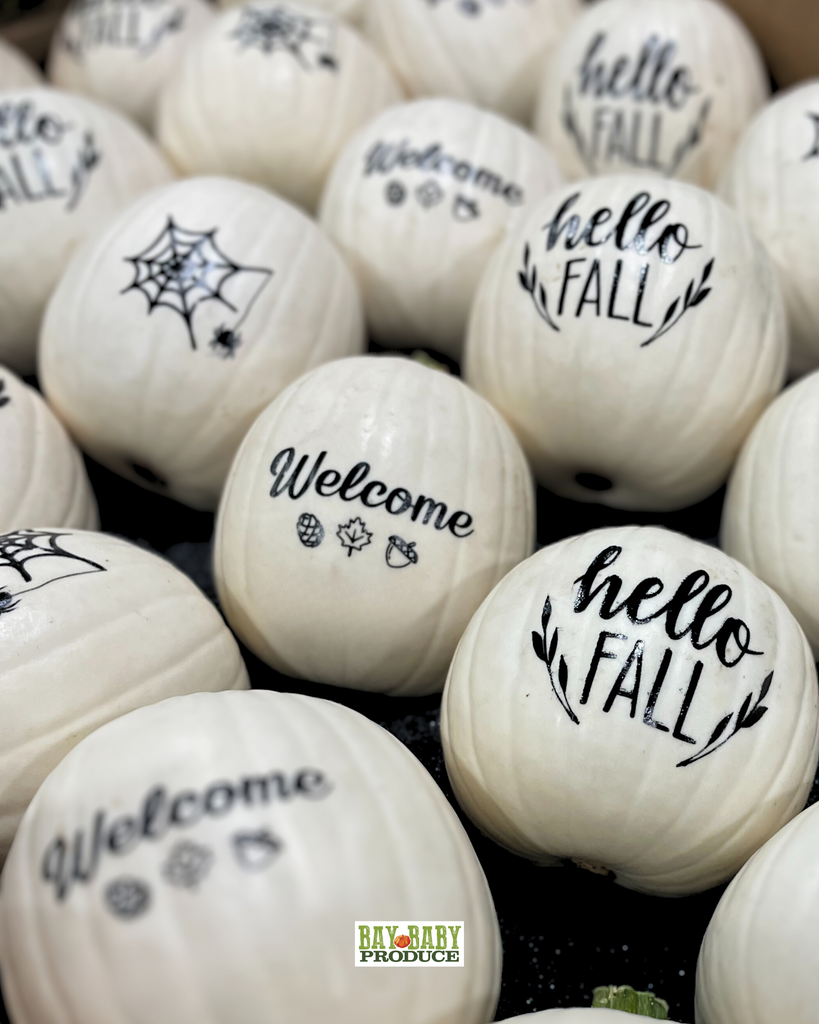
(491, 53)
(758, 961)
(662, 420)
(42, 477)
(272, 116)
(769, 519)
(72, 199)
(350, 10)
(123, 53)
(609, 789)
(372, 838)
(381, 605)
(17, 71)
(126, 379)
(418, 238)
(578, 1015)
(95, 633)
(707, 77)
(773, 182)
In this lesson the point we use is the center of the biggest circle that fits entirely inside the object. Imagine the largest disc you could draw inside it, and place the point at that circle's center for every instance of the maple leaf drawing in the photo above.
(354, 535)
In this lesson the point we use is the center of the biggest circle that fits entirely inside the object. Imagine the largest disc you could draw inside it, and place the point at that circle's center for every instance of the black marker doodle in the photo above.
(255, 851)
(400, 553)
(27, 173)
(546, 650)
(137, 25)
(31, 559)
(187, 865)
(225, 342)
(395, 193)
(429, 193)
(473, 8)
(585, 285)
(309, 530)
(696, 602)
(4, 399)
(390, 157)
(127, 897)
(813, 153)
(630, 96)
(464, 209)
(310, 41)
(183, 270)
(354, 535)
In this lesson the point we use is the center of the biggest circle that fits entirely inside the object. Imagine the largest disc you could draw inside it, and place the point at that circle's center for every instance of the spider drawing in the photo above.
(279, 29)
(181, 270)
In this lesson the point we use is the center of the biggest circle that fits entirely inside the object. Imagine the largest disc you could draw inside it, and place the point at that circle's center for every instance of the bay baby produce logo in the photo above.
(409, 944)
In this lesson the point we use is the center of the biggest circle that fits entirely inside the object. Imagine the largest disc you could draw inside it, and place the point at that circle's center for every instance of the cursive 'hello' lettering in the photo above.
(351, 487)
(642, 697)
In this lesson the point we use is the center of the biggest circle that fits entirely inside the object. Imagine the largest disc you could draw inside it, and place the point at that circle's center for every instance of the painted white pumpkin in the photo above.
(773, 181)
(661, 87)
(631, 330)
(226, 846)
(488, 52)
(636, 701)
(418, 201)
(123, 51)
(368, 512)
(770, 520)
(42, 477)
(67, 165)
(758, 963)
(350, 10)
(170, 332)
(271, 92)
(579, 1015)
(91, 627)
(17, 71)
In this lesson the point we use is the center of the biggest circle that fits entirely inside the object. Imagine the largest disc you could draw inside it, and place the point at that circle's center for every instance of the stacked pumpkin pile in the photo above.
(203, 218)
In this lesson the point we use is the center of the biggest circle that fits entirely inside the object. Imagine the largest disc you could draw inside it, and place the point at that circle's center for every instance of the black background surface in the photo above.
(564, 930)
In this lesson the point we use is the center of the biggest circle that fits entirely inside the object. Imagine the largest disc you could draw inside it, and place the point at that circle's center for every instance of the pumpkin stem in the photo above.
(425, 359)
(623, 997)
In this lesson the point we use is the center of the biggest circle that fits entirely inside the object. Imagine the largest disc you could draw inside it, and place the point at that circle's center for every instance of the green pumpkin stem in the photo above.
(425, 359)
(623, 997)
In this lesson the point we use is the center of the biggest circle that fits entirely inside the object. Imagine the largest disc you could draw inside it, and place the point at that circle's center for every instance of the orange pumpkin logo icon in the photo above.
(402, 941)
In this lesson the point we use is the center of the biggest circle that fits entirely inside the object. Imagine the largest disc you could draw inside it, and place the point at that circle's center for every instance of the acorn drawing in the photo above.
(400, 553)
(310, 530)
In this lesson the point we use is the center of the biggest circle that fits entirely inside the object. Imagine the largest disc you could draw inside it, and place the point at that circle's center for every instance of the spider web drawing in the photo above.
(270, 29)
(20, 548)
(183, 269)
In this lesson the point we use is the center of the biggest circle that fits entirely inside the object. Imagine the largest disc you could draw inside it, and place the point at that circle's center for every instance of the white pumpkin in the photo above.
(350, 10)
(42, 477)
(271, 92)
(488, 52)
(171, 331)
(579, 1015)
(638, 702)
(67, 165)
(659, 87)
(17, 71)
(773, 181)
(123, 51)
(91, 627)
(418, 201)
(770, 520)
(226, 846)
(758, 963)
(368, 512)
(631, 331)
